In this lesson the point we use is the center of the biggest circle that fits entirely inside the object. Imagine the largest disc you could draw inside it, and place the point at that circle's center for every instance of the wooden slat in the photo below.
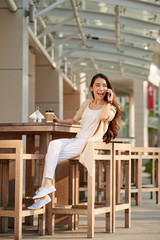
(122, 146)
(34, 156)
(102, 210)
(134, 156)
(11, 213)
(69, 211)
(122, 206)
(146, 149)
(7, 213)
(122, 157)
(7, 156)
(28, 212)
(134, 190)
(150, 157)
(102, 157)
(9, 143)
(153, 189)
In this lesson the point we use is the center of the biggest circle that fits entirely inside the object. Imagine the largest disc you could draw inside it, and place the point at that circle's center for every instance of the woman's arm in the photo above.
(67, 121)
(105, 113)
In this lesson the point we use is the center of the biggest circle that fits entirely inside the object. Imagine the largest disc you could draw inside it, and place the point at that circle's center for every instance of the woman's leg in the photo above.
(72, 150)
(58, 150)
(52, 158)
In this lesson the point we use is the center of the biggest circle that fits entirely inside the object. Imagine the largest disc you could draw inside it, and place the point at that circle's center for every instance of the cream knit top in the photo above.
(98, 129)
(88, 118)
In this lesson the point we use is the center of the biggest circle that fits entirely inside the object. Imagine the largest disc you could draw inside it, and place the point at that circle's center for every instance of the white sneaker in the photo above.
(43, 191)
(39, 203)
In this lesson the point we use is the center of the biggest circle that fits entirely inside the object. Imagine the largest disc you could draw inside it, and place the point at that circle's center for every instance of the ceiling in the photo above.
(115, 37)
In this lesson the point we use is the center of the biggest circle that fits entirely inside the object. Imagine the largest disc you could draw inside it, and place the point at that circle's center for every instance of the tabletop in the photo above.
(39, 127)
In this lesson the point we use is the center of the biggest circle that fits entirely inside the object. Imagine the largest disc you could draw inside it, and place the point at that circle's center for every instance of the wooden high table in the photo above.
(46, 132)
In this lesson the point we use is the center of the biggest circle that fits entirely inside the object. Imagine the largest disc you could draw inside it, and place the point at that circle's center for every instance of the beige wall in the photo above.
(71, 101)
(48, 86)
(10, 96)
(13, 64)
(140, 127)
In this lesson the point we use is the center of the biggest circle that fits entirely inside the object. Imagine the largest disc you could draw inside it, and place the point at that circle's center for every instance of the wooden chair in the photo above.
(138, 154)
(11, 155)
(136, 186)
(121, 158)
(101, 152)
(121, 155)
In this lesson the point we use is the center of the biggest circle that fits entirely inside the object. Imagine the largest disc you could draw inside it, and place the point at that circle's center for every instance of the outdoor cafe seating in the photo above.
(112, 177)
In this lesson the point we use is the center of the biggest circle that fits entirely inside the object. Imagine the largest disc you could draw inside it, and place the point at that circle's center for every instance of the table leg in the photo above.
(30, 169)
(44, 141)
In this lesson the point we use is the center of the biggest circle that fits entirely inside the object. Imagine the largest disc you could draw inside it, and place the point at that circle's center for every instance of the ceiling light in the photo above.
(102, 4)
(146, 47)
(83, 64)
(104, 9)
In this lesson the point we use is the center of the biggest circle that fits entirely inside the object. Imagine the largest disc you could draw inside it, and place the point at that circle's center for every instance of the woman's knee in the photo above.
(54, 145)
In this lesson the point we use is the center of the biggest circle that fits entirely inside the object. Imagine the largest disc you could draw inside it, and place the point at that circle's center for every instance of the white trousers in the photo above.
(60, 150)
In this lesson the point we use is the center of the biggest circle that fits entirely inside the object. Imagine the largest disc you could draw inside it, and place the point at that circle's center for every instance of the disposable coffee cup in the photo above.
(49, 116)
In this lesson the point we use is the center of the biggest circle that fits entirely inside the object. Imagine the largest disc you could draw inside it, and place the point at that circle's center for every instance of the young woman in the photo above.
(100, 122)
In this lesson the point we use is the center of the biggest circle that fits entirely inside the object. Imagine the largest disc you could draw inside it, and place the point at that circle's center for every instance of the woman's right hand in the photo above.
(55, 119)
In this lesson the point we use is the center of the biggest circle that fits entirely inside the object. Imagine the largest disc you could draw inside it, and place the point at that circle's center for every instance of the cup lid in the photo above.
(50, 110)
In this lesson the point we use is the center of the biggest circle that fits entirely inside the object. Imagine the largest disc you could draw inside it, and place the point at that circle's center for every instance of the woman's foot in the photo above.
(43, 191)
(40, 203)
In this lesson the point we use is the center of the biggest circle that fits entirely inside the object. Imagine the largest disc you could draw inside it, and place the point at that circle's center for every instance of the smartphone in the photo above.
(108, 94)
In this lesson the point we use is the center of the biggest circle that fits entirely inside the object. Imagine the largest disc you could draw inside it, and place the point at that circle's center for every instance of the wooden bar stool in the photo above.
(153, 155)
(121, 153)
(136, 187)
(101, 152)
(12, 150)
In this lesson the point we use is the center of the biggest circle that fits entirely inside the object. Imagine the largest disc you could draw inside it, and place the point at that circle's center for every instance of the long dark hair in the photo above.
(114, 125)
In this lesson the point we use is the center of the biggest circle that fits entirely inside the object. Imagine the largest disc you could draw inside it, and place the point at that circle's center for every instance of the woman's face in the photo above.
(99, 88)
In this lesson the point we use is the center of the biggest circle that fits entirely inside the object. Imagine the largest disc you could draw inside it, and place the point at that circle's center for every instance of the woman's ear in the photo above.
(91, 89)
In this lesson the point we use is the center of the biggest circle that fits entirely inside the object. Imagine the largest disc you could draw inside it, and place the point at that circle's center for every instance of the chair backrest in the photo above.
(102, 151)
(145, 152)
